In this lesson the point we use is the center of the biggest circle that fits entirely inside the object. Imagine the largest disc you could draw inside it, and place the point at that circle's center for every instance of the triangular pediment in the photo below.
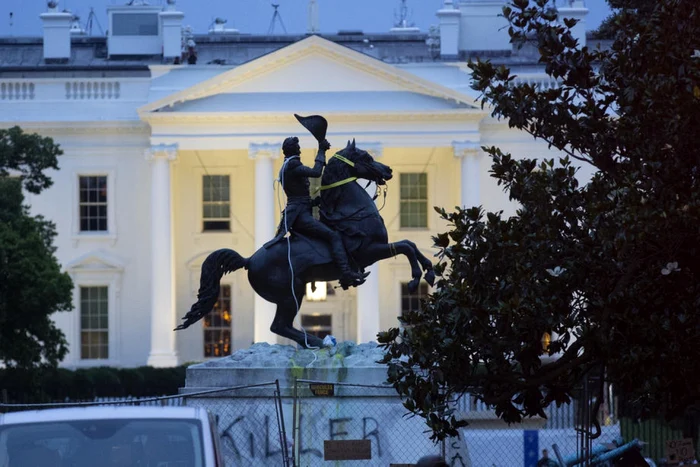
(96, 261)
(312, 66)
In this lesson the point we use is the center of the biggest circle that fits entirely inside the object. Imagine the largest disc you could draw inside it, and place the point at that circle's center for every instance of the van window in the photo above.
(118, 443)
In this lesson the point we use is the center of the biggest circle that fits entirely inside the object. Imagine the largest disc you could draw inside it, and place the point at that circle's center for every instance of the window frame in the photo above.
(80, 319)
(203, 236)
(95, 269)
(202, 201)
(427, 200)
(111, 233)
(87, 204)
(195, 343)
(219, 328)
(419, 295)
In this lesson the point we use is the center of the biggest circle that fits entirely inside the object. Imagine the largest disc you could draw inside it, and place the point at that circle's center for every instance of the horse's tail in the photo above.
(217, 264)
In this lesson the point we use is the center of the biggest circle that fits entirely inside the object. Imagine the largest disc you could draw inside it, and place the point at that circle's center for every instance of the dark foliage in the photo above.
(32, 286)
(58, 384)
(609, 267)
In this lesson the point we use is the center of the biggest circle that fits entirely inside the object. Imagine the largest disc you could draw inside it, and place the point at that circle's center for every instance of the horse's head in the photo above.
(364, 164)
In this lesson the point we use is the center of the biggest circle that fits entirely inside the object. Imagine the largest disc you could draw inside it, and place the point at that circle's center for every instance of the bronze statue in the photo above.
(297, 215)
(279, 271)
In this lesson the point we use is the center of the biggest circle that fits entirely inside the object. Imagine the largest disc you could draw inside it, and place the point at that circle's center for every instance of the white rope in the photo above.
(289, 257)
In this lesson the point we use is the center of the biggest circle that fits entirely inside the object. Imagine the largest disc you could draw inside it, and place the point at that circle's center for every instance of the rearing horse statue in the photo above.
(346, 207)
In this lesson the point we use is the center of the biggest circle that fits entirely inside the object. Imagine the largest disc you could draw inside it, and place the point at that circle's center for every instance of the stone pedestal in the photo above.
(360, 407)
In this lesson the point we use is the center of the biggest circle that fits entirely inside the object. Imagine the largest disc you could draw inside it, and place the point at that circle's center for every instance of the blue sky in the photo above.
(253, 16)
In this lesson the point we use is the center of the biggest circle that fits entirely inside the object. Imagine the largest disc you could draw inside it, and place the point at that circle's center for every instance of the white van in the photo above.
(110, 436)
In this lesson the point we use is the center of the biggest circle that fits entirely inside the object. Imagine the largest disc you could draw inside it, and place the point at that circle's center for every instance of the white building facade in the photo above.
(165, 162)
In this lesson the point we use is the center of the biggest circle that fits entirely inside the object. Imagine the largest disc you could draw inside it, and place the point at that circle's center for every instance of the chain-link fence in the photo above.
(251, 430)
(328, 423)
(353, 424)
(251, 422)
(367, 425)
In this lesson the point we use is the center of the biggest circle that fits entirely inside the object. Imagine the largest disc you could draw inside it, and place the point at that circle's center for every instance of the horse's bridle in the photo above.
(340, 182)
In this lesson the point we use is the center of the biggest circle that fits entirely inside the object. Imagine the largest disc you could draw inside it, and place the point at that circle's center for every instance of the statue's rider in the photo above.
(298, 216)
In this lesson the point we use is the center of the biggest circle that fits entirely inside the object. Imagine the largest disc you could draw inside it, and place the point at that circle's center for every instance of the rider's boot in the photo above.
(348, 278)
(352, 278)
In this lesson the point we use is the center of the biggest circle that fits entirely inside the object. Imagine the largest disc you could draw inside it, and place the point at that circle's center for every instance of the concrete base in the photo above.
(361, 406)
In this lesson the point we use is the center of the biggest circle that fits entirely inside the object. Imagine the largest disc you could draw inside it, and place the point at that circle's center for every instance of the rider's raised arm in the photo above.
(317, 169)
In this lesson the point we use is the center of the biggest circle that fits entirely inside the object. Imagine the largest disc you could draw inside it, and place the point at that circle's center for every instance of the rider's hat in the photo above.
(316, 125)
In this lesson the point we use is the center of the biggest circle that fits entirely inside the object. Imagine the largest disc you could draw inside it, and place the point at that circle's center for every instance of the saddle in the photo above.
(308, 251)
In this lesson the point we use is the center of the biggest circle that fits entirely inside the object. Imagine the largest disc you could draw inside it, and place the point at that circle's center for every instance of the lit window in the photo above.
(414, 200)
(93, 203)
(217, 326)
(94, 323)
(216, 206)
(317, 325)
(411, 301)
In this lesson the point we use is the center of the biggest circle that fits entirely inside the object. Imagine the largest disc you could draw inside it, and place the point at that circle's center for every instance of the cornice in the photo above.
(79, 128)
(466, 115)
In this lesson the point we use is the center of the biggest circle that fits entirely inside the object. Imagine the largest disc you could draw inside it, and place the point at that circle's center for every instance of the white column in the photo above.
(368, 293)
(163, 353)
(264, 155)
(471, 155)
(368, 307)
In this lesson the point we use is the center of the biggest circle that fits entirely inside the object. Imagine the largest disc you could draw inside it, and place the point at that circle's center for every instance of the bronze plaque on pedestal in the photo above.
(347, 450)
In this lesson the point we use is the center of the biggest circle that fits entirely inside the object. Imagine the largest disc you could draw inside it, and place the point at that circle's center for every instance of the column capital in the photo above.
(264, 150)
(165, 151)
(375, 149)
(466, 148)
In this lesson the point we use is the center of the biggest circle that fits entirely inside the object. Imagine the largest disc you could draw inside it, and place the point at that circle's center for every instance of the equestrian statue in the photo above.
(349, 236)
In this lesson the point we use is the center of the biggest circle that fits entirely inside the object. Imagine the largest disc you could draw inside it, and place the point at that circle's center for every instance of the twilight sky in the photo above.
(253, 16)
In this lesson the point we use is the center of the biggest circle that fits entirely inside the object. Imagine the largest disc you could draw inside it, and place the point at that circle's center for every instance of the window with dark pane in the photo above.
(93, 203)
(411, 301)
(217, 326)
(414, 200)
(94, 323)
(216, 203)
(317, 324)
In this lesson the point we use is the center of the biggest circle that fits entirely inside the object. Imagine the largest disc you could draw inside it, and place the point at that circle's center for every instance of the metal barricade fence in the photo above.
(355, 425)
(251, 423)
(243, 441)
(325, 413)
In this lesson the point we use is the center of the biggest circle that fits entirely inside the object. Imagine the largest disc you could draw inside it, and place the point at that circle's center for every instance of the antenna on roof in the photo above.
(11, 21)
(92, 18)
(276, 16)
(313, 26)
(402, 25)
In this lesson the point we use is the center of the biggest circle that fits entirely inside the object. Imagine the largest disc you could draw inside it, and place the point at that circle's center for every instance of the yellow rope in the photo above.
(341, 182)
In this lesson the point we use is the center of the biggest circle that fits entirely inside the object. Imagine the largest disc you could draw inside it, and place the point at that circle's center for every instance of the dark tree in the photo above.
(608, 267)
(32, 286)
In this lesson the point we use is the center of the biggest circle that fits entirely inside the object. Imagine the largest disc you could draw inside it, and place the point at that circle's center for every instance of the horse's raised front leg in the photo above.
(424, 262)
(283, 325)
(376, 253)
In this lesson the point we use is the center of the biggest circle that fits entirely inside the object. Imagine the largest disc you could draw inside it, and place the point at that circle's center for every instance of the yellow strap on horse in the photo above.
(341, 182)
(347, 161)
